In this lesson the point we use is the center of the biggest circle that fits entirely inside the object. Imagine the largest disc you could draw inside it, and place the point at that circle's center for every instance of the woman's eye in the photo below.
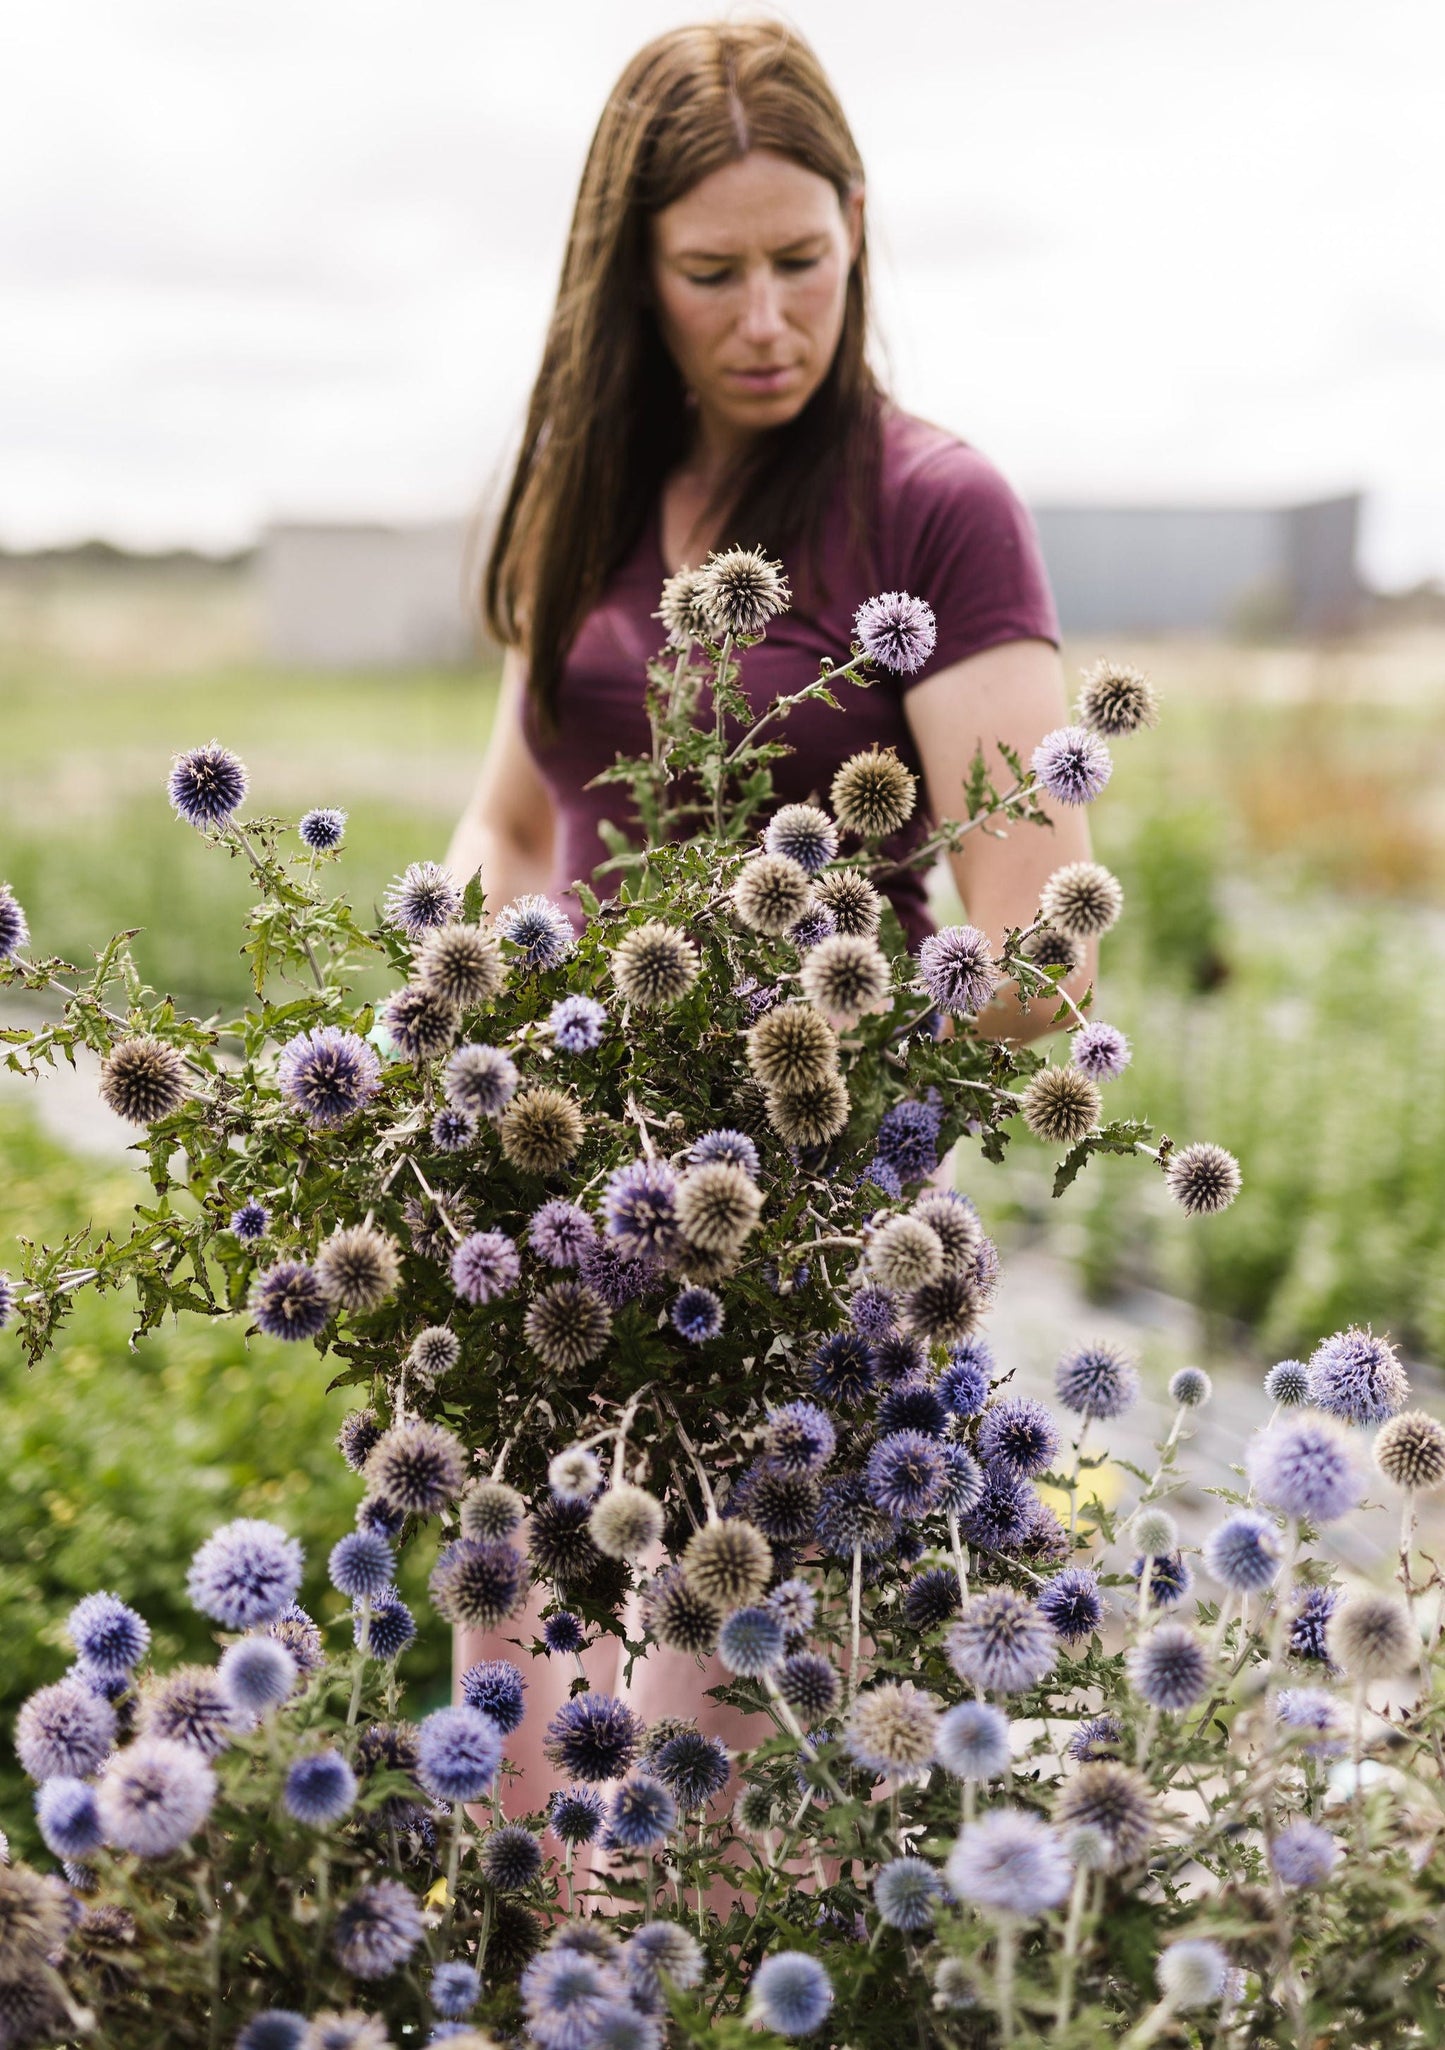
(787, 263)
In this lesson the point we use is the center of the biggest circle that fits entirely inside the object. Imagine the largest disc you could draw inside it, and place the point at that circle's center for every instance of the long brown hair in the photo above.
(608, 416)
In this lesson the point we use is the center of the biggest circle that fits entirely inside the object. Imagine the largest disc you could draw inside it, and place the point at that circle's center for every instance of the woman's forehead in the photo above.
(763, 201)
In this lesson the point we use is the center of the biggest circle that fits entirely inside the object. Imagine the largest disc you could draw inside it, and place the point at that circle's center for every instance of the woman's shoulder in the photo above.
(928, 467)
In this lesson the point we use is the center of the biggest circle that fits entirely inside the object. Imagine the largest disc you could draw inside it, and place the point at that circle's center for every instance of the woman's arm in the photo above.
(1014, 693)
(506, 833)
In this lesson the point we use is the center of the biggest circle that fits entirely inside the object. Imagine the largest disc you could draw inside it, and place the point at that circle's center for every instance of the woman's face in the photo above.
(749, 278)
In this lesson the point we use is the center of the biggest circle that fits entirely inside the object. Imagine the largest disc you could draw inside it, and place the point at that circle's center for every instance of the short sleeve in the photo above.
(964, 541)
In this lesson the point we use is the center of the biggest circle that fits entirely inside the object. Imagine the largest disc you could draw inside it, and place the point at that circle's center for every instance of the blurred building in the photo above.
(362, 596)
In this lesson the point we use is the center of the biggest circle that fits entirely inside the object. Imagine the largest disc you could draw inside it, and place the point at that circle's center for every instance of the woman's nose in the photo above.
(762, 315)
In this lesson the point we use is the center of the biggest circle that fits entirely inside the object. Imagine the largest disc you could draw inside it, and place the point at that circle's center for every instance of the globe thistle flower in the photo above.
(848, 1520)
(1202, 1178)
(751, 1642)
(245, 1573)
(453, 1131)
(1116, 1801)
(577, 1024)
(963, 1386)
(661, 1951)
(345, 2029)
(69, 1822)
(143, 1079)
(1097, 1381)
(328, 1074)
(1155, 1532)
(377, 1929)
(593, 1737)
(1116, 699)
(955, 966)
(1098, 1736)
(800, 1438)
(873, 794)
(842, 1369)
(792, 1048)
(625, 1521)
(1169, 1668)
(250, 1222)
(850, 901)
(421, 898)
(643, 1814)
(575, 1814)
(1410, 1452)
(954, 1221)
(772, 892)
(14, 930)
(541, 1130)
(561, 1232)
(206, 785)
(190, 1706)
(289, 1301)
(361, 1565)
(462, 964)
(892, 1730)
(1060, 1106)
(1306, 1466)
(843, 977)
(256, 1675)
(358, 1433)
(538, 928)
(319, 1789)
(419, 1467)
(275, 2028)
(902, 1357)
(803, 835)
(107, 1633)
(491, 1510)
(717, 1206)
(790, 1993)
(1287, 1383)
(810, 1115)
(695, 1769)
(1190, 1387)
(677, 1617)
(1082, 899)
(323, 829)
(794, 1604)
(1009, 1863)
(999, 1518)
(495, 1688)
(1303, 1855)
(295, 1632)
(872, 1312)
(1099, 1051)
(1192, 1973)
(904, 1894)
(421, 1024)
(1072, 764)
(456, 1988)
(485, 1266)
(153, 1796)
(433, 1353)
(1019, 1435)
(654, 966)
(510, 1858)
(1357, 1377)
(810, 1686)
(904, 1474)
(1243, 1552)
(359, 1268)
(739, 590)
(904, 1253)
(697, 1315)
(931, 1599)
(614, 1278)
(1372, 1636)
(783, 1506)
(728, 1564)
(896, 631)
(477, 1585)
(1170, 1578)
(479, 1080)
(1072, 1603)
(1051, 948)
(567, 1325)
(1001, 1643)
(973, 1741)
(1313, 1717)
(458, 1751)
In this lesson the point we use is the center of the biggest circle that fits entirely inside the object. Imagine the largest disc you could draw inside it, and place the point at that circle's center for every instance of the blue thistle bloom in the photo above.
(1313, 1710)
(539, 928)
(1071, 1603)
(328, 1074)
(872, 1313)
(485, 1266)
(323, 829)
(377, 1929)
(67, 1818)
(613, 1276)
(480, 1081)
(1096, 1381)
(154, 1796)
(899, 1356)
(898, 632)
(795, 1605)
(1098, 1736)
(809, 1685)
(455, 1989)
(1309, 1623)
(848, 1517)
(842, 1369)
(7, 1300)
(390, 1627)
(496, 1688)
(751, 1642)
(245, 1573)
(963, 1386)
(695, 1769)
(568, 1995)
(289, 1301)
(973, 1741)
(1019, 1435)
(802, 833)
(913, 1406)
(250, 1222)
(639, 1208)
(319, 1790)
(658, 1950)
(1001, 1642)
(256, 1674)
(904, 1893)
(643, 1815)
(385, 1518)
(1170, 1579)
(1302, 1854)
(1099, 1051)
(733, 1149)
(1288, 1383)
(593, 1737)
(577, 1024)
(563, 1634)
(423, 897)
(575, 1814)
(791, 1993)
(560, 1232)
(955, 966)
(452, 1131)
(931, 1599)
(458, 1751)
(800, 1438)
(1169, 1668)
(511, 1858)
(962, 1480)
(277, 2028)
(361, 1564)
(107, 1633)
(1010, 1862)
(907, 1138)
(14, 930)
(1306, 1466)
(904, 1474)
(1243, 1552)
(698, 1315)
(1189, 1387)
(811, 930)
(882, 1177)
(1072, 764)
(1000, 1517)
(1357, 1377)
(206, 785)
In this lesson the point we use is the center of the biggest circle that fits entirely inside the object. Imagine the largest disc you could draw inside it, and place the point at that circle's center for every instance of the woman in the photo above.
(705, 382)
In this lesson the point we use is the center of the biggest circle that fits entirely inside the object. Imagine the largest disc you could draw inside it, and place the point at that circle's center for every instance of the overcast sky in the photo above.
(295, 257)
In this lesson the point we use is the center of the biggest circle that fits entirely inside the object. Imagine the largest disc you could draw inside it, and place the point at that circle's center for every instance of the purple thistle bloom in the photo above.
(697, 1315)
(802, 833)
(912, 1406)
(575, 1814)
(872, 1313)
(1288, 1383)
(907, 1138)
(639, 1208)
(1306, 1466)
(107, 1633)
(962, 1479)
(256, 1674)
(897, 632)
(423, 897)
(562, 1634)
(539, 928)
(577, 1023)
(289, 1301)
(154, 1796)
(904, 1893)
(276, 2028)
(323, 829)
(206, 785)
(479, 1080)
(1019, 1435)
(458, 1751)
(1098, 1736)
(250, 1222)
(1099, 1051)
(955, 966)
(1357, 1377)
(377, 1929)
(495, 1687)
(452, 1131)
(1001, 1642)
(973, 1741)
(14, 931)
(734, 1149)
(1170, 1579)
(67, 1817)
(643, 1816)
(390, 1627)
(568, 1995)
(808, 1683)
(963, 1386)
(328, 1074)
(511, 1858)
(319, 1790)
(1010, 1862)
(1169, 1668)
(610, 1274)
(847, 1517)
(801, 1438)
(245, 1573)
(1243, 1552)
(695, 1769)
(900, 1356)
(1072, 764)
(455, 1989)
(658, 1949)
(593, 1737)
(7, 1300)
(1313, 1710)
(294, 1630)
(790, 1992)
(1309, 1623)
(1304, 1855)
(794, 1604)
(560, 1232)
(376, 1513)
(1096, 1381)
(811, 930)
(751, 1642)
(361, 1564)
(484, 1266)
(905, 1474)
(1000, 1517)
(883, 1177)
(842, 1369)
(1072, 1603)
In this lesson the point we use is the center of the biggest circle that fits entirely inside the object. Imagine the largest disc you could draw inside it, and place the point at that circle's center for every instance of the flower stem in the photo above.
(1005, 1957)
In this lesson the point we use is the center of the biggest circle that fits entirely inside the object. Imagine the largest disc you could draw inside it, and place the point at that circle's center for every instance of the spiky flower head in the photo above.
(1072, 1603)
(485, 1267)
(479, 1080)
(931, 1599)
(783, 1506)
(419, 1467)
(841, 1369)
(1010, 1863)
(684, 617)
(462, 964)
(245, 1573)
(1169, 1668)
(850, 900)
(1099, 1051)
(576, 1024)
(70, 1827)
(420, 899)
(496, 1688)
(751, 1641)
(1018, 1434)
(905, 1474)
(346, 2028)
(1243, 1552)
(455, 1988)
(963, 1386)
(541, 1129)
(452, 1131)
(294, 1630)
(250, 1222)
(655, 966)
(561, 1232)
(593, 1737)
(206, 784)
(575, 1475)
(1051, 948)
(566, 1325)
(14, 931)
(276, 2028)
(904, 1894)
(575, 1814)
(433, 1352)
(289, 1301)
(791, 1993)
(143, 1079)
(1116, 699)
(625, 1521)
(1082, 899)
(873, 795)
(458, 1751)
(678, 1617)
(1202, 1178)
(377, 1929)
(491, 1510)
(896, 631)
(800, 1438)
(510, 1858)
(1306, 1466)
(65, 1729)
(772, 892)
(1097, 1381)
(189, 1705)
(358, 1433)
(257, 1674)
(697, 1315)
(694, 1768)
(639, 1208)
(1410, 1452)
(1373, 1637)
(359, 1267)
(661, 1952)
(1001, 1643)
(539, 929)
(1190, 1387)
(1303, 1854)
(892, 1729)
(323, 829)
(477, 1585)
(328, 1074)
(811, 1114)
(1116, 1801)
(420, 1024)
(844, 977)
(153, 1796)
(1192, 1973)
(904, 1253)
(1288, 1383)
(973, 1741)
(809, 1684)
(717, 1206)
(792, 1048)
(1072, 764)
(107, 1633)
(739, 591)
(319, 1789)
(955, 1221)
(1357, 1377)
(804, 835)
(1313, 1719)
(1060, 1106)
(728, 1564)
(1099, 1736)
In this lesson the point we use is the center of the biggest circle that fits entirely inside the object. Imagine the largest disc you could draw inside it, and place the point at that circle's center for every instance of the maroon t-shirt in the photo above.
(946, 527)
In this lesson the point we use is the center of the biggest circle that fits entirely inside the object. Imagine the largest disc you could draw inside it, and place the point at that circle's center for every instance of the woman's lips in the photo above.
(764, 380)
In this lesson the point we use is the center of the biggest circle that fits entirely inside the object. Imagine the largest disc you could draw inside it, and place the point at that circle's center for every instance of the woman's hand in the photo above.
(1013, 693)
(506, 833)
